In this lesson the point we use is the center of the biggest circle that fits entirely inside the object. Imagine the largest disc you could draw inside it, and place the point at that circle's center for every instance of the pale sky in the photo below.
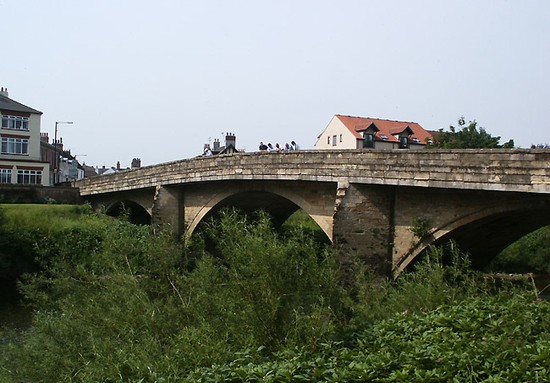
(159, 79)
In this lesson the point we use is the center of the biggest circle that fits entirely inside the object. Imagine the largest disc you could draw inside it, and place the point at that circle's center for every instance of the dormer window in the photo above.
(368, 136)
(403, 135)
(368, 140)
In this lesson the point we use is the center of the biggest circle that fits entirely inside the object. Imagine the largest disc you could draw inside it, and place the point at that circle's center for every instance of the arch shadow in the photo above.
(136, 213)
(279, 208)
(484, 234)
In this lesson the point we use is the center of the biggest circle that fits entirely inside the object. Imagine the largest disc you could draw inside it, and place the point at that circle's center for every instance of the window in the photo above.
(5, 176)
(403, 142)
(12, 145)
(15, 122)
(334, 140)
(368, 141)
(328, 140)
(29, 177)
(340, 138)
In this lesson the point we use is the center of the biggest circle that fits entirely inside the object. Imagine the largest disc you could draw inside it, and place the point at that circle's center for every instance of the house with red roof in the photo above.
(349, 132)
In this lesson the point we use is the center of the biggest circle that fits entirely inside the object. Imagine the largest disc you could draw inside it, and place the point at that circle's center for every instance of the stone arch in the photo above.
(280, 202)
(485, 233)
(137, 214)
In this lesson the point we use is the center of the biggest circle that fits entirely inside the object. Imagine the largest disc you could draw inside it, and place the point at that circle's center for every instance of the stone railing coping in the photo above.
(516, 170)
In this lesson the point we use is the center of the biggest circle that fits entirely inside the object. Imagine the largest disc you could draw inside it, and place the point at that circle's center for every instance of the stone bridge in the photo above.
(369, 201)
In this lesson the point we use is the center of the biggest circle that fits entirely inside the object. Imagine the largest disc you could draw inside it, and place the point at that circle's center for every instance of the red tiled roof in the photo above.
(387, 128)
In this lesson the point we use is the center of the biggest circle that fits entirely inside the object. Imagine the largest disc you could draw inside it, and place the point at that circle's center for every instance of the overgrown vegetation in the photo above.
(421, 227)
(530, 254)
(115, 302)
(467, 136)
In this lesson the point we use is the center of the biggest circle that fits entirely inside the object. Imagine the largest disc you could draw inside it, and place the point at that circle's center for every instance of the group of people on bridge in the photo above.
(277, 148)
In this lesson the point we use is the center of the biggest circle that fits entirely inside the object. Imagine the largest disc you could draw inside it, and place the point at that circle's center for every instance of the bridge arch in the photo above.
(279, 202)
(485, 233)
(137, 214)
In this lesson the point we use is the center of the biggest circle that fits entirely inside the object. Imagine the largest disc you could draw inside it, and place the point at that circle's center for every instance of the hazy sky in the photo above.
(159, 79)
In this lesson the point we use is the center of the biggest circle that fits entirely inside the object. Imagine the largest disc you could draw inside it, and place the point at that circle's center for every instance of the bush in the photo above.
(262, 290)
(115, 302)
(528, 254)
(443, 276)
(480, 339)
(118, 302)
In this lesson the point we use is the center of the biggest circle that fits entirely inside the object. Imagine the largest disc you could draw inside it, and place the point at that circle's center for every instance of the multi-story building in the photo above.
(20, 158)
(68, 168)
(348, 132)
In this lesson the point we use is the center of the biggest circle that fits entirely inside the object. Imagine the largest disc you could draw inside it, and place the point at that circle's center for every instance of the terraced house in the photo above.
(20, 159)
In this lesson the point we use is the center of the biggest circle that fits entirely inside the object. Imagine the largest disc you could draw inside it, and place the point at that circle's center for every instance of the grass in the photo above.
(43, 217)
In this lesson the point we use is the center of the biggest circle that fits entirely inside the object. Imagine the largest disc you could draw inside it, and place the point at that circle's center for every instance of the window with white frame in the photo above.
(5, 176)
(334, 140)
(15, 122)
(11, 145)
(29, 177)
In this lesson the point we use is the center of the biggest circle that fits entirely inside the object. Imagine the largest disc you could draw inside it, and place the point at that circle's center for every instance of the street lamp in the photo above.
(56, 159)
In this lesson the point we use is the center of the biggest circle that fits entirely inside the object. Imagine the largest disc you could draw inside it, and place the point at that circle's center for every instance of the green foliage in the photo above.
(467, 137)
(118, 302)
(482, 339)
(24, 225)
(529, 254)
(262, 290)
(420, 227)
(115, 302)
(443, 277)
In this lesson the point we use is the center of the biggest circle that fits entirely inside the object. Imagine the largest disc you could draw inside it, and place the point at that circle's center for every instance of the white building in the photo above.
(348, 132)
(20, 158)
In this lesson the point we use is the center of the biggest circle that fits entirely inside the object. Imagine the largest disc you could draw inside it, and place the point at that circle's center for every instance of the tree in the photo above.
(467, 136)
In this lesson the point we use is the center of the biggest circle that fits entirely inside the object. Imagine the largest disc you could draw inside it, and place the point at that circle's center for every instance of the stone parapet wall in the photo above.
(515, 170)
(10, 193)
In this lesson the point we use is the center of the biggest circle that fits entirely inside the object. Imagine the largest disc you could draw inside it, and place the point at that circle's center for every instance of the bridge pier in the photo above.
(167, 209)
(363, 223)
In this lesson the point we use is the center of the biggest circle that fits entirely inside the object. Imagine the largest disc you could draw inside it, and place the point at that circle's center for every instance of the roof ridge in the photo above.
(377, 118)
(9, 100)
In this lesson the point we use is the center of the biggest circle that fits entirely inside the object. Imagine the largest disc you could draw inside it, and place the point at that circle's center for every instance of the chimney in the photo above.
(4, 92)
(118, 165)
(58, 145)
(136, 163)
(44, 137)
(230, 139)
(216, 144)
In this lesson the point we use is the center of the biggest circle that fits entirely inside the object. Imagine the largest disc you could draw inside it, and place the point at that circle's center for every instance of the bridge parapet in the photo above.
(515, 170)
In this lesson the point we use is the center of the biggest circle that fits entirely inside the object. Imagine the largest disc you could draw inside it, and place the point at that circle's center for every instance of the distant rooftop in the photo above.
(8, 104)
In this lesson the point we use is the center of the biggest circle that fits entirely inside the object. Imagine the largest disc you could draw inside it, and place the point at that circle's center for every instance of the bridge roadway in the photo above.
(369, 201)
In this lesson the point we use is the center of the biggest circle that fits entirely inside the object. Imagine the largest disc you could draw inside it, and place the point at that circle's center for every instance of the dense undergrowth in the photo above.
(115, 302)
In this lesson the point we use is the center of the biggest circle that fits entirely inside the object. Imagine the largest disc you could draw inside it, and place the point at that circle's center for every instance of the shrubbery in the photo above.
(529, 254)
(115, 302)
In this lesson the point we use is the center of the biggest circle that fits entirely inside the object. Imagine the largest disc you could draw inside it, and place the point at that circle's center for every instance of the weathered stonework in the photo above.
(363, 223)
(365, 199)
